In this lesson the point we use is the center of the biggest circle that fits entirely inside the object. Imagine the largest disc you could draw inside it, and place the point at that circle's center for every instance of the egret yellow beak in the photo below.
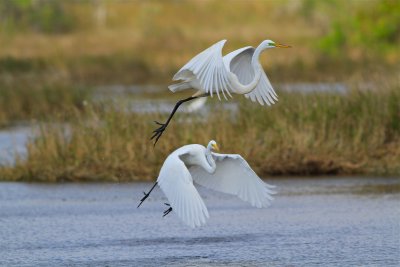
(282, 46)
(215, 147)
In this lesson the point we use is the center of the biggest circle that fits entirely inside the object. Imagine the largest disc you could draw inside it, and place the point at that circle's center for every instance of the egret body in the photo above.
(210, 73)
(227, 173)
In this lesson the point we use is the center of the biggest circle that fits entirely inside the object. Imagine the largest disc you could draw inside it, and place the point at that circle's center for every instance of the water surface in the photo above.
(312, 222)
(13, 142)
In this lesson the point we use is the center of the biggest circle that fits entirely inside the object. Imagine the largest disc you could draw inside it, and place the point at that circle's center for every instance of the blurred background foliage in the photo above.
(37, 16)
(100, 41)
(374, 27)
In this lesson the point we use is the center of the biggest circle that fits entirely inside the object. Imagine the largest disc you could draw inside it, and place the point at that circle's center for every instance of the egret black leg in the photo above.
(167, 211)
(146, 195)
(159, 131)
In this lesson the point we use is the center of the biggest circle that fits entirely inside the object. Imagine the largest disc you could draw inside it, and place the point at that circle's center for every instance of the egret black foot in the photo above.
(158, 132)
(167, 210)
(146, 195)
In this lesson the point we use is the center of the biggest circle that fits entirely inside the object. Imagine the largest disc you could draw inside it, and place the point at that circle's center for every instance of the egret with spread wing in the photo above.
(227, 173)
(239, 72)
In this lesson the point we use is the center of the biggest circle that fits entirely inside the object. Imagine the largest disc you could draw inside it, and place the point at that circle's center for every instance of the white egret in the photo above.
(227, 173)
(239, 72)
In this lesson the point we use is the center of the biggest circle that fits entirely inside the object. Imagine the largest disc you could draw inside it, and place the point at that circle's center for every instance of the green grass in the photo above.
(303, 134)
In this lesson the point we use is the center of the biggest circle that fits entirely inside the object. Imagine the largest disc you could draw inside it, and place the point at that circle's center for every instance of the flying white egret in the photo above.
(227, 173)
(239, 72)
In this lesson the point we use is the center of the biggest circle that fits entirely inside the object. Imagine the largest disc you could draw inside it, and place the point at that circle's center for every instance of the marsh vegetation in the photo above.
(74, 47)
(317, 133)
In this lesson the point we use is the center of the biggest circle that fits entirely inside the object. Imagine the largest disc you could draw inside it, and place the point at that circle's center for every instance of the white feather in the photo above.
(206, 68)
(239, 62)
(232, 175)
(211, 73)
(177, 184)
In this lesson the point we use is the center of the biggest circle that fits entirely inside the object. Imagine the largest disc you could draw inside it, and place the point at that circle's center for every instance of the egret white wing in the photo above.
(177, 184)
(234, 176)
(244, 53)
(209, 70)
(263, 93)
(239, 63)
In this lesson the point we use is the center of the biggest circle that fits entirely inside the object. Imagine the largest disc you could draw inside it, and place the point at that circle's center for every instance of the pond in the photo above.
(320, 221)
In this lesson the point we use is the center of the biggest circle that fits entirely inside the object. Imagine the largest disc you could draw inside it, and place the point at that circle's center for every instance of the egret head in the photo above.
(272, 44)
(213, 145)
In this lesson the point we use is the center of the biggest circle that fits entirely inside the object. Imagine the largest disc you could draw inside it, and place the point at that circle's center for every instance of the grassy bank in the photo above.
(357, 133)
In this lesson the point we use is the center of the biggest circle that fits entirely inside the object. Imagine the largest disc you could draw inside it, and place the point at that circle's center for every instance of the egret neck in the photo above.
(212, 166)
(257, 68)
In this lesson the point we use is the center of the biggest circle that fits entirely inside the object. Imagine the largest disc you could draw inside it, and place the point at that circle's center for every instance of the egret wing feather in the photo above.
(177, 184)
(234, 176)
(239, 62)
(208, 69)
(244, 51)
(263, 92)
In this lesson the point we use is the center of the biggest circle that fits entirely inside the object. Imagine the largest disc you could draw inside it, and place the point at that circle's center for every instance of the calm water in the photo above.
(327, 222)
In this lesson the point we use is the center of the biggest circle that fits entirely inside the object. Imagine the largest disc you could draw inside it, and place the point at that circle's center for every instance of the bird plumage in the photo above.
(227, 173)
(234, 176)
(238, 72)
(176, 182)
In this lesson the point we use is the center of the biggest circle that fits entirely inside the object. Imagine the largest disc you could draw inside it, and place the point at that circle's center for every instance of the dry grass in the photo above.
(32, 99)
(358, 133)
